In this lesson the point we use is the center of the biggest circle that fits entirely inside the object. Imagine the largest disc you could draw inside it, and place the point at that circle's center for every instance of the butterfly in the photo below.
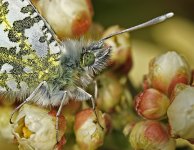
(36, 67)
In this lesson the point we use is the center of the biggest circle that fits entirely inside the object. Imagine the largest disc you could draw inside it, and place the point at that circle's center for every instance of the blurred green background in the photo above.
(128, 12)
(176, 34)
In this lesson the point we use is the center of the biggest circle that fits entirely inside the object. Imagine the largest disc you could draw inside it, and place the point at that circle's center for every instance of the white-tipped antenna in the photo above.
(148, 23)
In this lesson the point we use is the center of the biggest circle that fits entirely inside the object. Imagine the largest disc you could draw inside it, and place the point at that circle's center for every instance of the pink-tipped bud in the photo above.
(167, 70)
(151, 135)
(68, 18)
(152, 104)
(121, 58)
(181, 112)
(89, 133)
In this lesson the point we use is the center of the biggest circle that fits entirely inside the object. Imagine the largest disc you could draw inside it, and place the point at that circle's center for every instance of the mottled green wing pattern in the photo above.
(28, 51)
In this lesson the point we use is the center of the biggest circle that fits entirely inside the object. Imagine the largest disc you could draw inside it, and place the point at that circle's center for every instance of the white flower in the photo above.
(181, 112)
(34, 128)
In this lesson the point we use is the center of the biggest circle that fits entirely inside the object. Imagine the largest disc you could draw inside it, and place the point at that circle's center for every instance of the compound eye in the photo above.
(88, 59)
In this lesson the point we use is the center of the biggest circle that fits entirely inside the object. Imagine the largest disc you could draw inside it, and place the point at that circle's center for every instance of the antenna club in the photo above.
(163, 17)
(169, 15)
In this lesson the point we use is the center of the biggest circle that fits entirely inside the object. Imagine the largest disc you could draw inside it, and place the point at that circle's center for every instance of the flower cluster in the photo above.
(167, 95)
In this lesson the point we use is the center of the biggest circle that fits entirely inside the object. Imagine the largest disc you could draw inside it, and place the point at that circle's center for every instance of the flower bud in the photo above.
(121, 58)
(151, 135)
(151, 104)
(167, 70)
(35, 128)
(68, 18)
(180, 112)
(89, 133)
(110, 92)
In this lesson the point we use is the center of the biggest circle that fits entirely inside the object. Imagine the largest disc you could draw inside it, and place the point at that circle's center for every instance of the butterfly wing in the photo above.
(29, 52)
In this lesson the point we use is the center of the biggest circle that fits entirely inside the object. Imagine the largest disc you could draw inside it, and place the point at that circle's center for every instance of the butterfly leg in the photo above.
(28, 99)
(95, 89)
(94, 108)
(58, 114)
(87, 96)
(95, 96)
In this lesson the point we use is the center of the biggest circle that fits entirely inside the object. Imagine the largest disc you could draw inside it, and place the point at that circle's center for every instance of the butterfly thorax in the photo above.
(81, 61)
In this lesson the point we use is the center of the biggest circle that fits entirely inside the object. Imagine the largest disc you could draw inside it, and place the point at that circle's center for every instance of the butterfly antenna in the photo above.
(146, 24)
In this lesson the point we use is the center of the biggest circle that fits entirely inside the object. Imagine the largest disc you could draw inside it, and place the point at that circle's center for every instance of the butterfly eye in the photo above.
(88, 59)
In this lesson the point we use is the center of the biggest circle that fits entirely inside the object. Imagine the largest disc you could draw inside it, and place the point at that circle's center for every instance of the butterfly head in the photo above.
(94, 57)
(84, 60)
